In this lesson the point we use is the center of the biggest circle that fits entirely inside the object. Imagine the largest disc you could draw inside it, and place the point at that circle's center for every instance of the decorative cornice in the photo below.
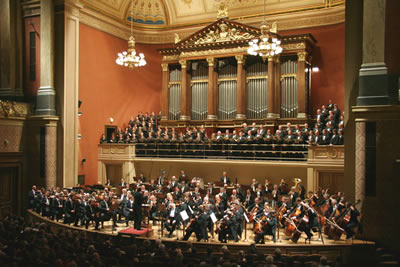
(213, 52)
(31, 8)
(163, 35)
(14, 109)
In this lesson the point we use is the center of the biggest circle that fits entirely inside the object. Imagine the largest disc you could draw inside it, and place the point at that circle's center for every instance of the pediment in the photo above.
(221, 32)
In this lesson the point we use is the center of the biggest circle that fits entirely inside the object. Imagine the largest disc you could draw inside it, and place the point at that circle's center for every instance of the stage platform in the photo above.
(346, 249)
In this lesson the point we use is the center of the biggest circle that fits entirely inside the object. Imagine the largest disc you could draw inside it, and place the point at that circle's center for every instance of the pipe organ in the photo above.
(209, 79)
(199, 86)
(174, 110)
(227, 91)
(257, 91)
(288, 87)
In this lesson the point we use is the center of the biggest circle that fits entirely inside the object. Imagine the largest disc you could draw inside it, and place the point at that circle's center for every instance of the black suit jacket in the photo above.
(228, 181)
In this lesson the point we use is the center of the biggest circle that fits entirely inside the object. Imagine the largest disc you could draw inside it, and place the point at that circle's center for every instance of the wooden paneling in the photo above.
(8, 181)
(332, 180)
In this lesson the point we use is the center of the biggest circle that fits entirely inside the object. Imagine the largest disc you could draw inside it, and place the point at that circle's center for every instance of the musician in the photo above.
(248, 199)
(57, 208)
(268, 223)
(312, 219)
(46, 208)
(69, 212)
(106, 213)
(123, 183)
(173, 218)
(32, 197)
(268, 187)
(259, 191)
(229, 226)
(108, 183)
(87, 213)
(127, 209)
(198, 225)
(293, 195)
(354, 213)
(183, 177)
(184, 187)
(254, 185)
(225, 179)
(141, 179)
(139, 198)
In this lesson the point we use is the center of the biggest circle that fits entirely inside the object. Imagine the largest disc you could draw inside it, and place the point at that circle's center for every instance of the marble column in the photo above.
(186, 92)
(377, 85)
(67, 62)
(241, 88)
(301, 85)
(212, 90)
(45, 100)
(360, 160)
(11, 46)
(165, 91)
(50, 154)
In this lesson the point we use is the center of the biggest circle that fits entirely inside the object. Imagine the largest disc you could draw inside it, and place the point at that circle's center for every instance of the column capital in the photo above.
(301, 56)
(241, 59)
(164, 66)
(73, 7)
(210, 61)
(183, 63)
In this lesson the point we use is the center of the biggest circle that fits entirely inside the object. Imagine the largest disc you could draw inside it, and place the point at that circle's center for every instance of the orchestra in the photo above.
(220, 208)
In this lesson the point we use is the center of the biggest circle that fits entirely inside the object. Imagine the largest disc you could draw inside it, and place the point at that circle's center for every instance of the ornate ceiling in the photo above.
(156, 21)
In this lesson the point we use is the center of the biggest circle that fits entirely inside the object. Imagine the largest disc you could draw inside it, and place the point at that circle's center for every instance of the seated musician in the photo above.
(123, 183)
(228, 227)
(354, 213)
(248, 199)
(108, 183)
(173, 219)
(183, 177)
(254, 185)
(106, 213)
(88, 213)
(266, 224)
(127, 209)
(268, 187)
(198, 225)
(141, 179)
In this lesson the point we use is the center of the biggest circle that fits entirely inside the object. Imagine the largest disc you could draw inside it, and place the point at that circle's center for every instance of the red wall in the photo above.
(109, 90)
(31, 87)
(328, 55)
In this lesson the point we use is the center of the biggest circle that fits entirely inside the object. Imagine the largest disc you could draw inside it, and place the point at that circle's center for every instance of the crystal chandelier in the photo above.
(130, 59)
(268, 44)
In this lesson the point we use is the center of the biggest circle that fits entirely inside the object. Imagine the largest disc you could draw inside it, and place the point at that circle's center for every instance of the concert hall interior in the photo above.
(128, 125)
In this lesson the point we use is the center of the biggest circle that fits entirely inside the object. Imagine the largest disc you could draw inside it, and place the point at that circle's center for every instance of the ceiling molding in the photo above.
(306, 19)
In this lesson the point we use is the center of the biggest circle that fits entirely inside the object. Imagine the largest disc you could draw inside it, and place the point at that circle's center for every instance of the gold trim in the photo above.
(214, 52)
(227, 79)
(170, 57)
(183, 63)
(301, 56)
(174, 82)
(164, 66)
(257, 77)
(241, 59)
(283, 76)
(199, 81)
(210, 61)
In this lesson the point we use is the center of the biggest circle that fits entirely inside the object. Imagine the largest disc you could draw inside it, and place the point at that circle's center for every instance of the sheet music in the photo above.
(184, 215)
(213, 217)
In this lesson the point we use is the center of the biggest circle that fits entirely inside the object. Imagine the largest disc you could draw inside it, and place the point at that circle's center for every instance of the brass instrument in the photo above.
(296, 182)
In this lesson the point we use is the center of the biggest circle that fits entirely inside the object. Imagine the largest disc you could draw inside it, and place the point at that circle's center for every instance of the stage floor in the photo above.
(247, 237)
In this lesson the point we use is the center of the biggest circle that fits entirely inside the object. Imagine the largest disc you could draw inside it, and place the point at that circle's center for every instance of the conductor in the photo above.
(139, 198)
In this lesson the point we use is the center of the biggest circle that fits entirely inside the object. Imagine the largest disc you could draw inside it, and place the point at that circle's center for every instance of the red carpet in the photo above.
(132, 231)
